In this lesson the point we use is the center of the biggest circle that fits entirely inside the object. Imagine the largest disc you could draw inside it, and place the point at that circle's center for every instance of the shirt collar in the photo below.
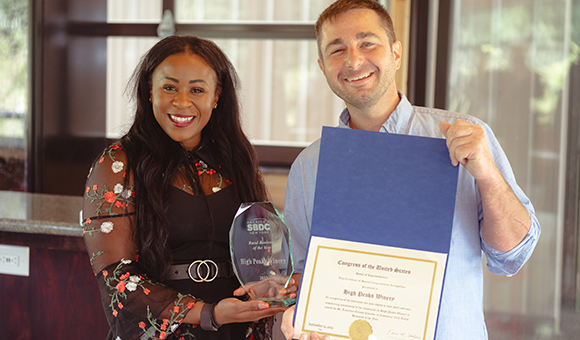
(397, 121)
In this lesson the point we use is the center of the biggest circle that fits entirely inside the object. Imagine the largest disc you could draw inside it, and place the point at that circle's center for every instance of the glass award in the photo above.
(261, 253)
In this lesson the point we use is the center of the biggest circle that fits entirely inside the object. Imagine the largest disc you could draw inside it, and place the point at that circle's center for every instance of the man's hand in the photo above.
(505, 220)
(288, 329)
(468, 146)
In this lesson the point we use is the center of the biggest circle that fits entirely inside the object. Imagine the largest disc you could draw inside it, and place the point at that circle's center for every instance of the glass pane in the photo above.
(134, 11)
(14, 84)
(249, 10)
(123, 55)
(284, 96)
(509, 66)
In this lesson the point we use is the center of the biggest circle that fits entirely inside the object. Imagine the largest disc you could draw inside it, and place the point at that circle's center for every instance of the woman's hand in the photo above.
(272, 287)
(292, 288)
(232, 310)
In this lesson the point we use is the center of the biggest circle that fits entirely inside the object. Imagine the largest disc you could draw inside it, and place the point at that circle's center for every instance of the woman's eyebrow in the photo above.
(193, 81)
(198, 81)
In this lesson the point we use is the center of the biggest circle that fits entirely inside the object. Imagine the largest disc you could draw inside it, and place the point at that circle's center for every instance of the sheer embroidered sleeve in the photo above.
(134, 306)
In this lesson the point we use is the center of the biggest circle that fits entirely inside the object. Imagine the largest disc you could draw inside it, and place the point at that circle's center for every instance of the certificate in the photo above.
(380, 237)
(389, 293)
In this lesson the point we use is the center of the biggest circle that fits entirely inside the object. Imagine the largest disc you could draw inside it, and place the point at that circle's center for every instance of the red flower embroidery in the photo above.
(142, 325)
(137, 259)
(211, 172)
(95, 187)
(146, 291)
(228, 181)
(116, 147)
(118, 204)
(115, 313)
(121, 286)
(105, 273)
(120, 305)
(89, 221)
(162, 335)
(110, 196)
(199, 172)
(101, 160)
(88, 188)
(190, 305)
(165, 322)
(163, 327)
(176, 309)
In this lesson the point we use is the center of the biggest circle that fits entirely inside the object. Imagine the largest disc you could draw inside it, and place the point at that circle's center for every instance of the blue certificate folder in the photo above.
(387, 189)
(377, 189)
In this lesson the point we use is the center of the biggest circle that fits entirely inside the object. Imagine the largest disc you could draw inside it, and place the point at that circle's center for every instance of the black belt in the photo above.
(201, 271)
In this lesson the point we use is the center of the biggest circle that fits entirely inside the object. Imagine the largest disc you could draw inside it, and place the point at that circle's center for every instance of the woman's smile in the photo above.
(181, 120)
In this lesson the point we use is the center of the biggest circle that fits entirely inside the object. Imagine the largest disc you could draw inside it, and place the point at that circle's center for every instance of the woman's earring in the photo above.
(215, 106)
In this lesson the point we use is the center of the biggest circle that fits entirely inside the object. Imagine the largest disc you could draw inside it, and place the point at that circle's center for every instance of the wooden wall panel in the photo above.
(59, 300)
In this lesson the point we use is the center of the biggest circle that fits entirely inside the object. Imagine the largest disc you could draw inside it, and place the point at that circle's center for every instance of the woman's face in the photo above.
(183, 94)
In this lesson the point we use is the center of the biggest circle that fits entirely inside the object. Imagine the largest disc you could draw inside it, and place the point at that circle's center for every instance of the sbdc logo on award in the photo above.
(258, 225)
(260, 252)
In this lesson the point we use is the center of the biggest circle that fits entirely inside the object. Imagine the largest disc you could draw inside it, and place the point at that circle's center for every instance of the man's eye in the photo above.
(367, 44)
(338, 50)
(197, 90)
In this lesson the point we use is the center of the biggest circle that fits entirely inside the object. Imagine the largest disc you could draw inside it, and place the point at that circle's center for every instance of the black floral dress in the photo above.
(136, 307)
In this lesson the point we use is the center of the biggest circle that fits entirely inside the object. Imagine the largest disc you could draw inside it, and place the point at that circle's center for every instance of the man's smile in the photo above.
(360, 77)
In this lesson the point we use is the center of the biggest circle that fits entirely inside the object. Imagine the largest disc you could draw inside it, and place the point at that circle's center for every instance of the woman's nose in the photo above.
(182, 101)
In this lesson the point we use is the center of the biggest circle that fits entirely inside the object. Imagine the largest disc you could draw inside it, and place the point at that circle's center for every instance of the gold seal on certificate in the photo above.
(260, 252)
(360, 330)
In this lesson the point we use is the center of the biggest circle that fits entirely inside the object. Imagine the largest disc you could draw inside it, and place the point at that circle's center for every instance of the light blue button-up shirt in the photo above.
(461, 311)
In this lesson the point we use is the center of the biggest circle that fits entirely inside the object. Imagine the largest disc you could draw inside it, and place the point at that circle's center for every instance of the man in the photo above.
(359, 56)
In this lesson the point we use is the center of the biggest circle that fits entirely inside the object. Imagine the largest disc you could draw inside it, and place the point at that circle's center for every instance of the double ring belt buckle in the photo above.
(206, 270)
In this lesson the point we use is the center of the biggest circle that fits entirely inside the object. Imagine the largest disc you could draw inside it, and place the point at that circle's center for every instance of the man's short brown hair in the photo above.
(342, 6)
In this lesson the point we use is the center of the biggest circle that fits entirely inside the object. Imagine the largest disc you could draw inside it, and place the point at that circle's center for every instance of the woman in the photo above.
(162, 198)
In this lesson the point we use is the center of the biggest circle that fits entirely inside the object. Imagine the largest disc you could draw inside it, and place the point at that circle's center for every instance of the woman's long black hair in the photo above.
(154, 158)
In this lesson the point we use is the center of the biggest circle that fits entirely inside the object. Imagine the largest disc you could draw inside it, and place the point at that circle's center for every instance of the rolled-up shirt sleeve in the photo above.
(510, 262)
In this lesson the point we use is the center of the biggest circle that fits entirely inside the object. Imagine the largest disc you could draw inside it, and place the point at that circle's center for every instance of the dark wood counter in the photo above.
(60, 298)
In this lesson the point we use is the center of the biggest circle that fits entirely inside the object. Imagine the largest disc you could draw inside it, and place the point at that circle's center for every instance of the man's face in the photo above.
(357, 59)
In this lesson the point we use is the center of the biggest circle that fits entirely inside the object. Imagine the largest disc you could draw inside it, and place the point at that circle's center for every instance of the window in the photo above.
(284, 96)
(14, 85)
(509, 66)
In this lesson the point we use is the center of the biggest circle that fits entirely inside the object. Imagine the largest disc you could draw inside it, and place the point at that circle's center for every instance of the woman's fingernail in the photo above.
(263, 305)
